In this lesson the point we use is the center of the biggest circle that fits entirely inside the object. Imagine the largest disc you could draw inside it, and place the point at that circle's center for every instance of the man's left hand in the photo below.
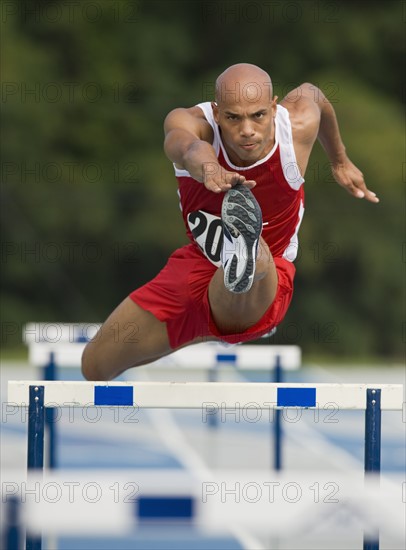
(351, 178)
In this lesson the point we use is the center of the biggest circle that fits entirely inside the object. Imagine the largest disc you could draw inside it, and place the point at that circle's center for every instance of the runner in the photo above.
(240, 163)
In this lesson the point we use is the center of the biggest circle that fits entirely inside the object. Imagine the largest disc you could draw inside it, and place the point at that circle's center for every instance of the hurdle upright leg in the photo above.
(372, 449)
(278, 377)
(36, 421)
(12, 532)
(212, 376)
(51, 414)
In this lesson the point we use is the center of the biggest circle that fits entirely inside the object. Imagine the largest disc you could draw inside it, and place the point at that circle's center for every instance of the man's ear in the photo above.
(215, 108)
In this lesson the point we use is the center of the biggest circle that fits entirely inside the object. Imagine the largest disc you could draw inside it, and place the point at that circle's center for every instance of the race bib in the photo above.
(208, 234)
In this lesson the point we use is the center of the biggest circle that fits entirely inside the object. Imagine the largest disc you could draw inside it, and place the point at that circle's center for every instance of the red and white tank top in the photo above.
(279, 191)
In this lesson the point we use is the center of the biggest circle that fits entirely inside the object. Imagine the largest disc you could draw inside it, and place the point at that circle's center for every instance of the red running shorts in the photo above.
(178, 296)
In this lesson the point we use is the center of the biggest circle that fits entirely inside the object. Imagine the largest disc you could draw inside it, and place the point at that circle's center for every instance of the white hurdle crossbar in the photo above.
(200, 356)
(205, 395)
(201, 395)
(67, 341)
(125, 500)
(61, 345)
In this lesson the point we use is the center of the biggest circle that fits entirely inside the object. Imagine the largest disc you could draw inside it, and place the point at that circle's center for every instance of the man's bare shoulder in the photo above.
(195, 112)
(191, 119)
(302, 97)
(304, 112)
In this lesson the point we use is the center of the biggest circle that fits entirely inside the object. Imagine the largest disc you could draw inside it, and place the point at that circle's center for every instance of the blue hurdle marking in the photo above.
(164, 508)
(226, 357)
(296, 397)
(114, 395)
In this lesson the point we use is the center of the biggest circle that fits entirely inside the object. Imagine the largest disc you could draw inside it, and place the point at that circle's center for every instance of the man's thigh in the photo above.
(235, 313)
(131, 336)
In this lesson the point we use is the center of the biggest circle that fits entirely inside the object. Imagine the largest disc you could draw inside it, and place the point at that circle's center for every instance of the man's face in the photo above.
(247, 128)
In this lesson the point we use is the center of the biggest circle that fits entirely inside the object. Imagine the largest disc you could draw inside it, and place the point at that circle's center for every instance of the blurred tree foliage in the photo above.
(89, 202)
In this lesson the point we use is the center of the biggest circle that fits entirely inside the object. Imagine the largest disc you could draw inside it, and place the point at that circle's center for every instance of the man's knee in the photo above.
(90, 369)
(264, 261)
(99, 364)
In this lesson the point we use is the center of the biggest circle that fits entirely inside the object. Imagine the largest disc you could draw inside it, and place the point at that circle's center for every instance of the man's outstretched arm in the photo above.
(187, 145)
(344, 171)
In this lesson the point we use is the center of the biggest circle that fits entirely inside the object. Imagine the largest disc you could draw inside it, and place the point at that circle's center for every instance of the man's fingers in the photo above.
(226, 181)
(221, 188)
(238, 178)
(371, 196)
(352, 179)
(362, 193)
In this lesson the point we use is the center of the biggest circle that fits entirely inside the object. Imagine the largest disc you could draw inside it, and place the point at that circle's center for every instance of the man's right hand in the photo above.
(219, 180)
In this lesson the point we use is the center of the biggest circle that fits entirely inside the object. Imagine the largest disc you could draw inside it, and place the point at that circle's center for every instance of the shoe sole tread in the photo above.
(246, 220)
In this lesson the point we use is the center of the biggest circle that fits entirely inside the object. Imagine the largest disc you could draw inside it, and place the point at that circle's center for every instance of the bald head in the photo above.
(243, 83)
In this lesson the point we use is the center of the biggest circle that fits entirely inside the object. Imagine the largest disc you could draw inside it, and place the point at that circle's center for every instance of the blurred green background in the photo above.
(88, 198)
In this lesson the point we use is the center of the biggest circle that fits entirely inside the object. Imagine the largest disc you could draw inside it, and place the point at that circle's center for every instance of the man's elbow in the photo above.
(175, 147)
(179, 145)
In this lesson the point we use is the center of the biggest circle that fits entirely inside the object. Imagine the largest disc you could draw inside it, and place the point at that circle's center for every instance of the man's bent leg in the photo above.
(129, 337)
(234, 313)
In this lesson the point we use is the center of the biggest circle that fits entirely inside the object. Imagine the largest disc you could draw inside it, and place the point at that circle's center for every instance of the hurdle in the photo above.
(60, 345)
(119, 502)
(67, 342)
(371, 398)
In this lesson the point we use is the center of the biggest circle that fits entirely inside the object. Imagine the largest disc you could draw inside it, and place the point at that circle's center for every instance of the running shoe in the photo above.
(242, 226)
